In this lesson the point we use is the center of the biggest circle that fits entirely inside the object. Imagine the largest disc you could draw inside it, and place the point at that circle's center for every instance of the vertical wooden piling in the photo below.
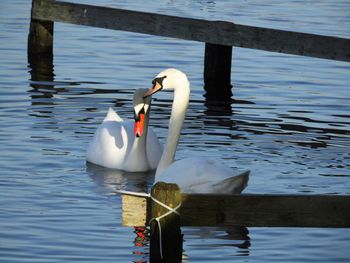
(40, 38)
(166, 240)
(40, 47)
(217, 72)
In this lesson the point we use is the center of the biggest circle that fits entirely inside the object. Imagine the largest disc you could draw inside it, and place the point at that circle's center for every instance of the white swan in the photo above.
(122, 144)
(192, 175)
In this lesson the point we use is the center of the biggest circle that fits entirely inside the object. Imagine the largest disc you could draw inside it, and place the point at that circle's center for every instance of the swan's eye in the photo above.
(158, 81)
(157, 86)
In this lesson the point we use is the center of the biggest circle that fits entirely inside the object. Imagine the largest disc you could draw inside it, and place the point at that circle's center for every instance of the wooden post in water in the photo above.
(40, 38)
(165, 236)
(40, 47)
(217, 72)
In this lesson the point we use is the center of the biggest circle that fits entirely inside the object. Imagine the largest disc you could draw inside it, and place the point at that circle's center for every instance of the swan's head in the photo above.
(141, 110)
(169, 79)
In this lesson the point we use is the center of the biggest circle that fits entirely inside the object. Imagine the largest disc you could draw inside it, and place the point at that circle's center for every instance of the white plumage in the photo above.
(115, 145)
(195, 174)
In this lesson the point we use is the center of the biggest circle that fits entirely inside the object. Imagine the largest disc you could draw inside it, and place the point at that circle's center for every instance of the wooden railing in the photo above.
(218, 36)
(251, 210)
(227, 211)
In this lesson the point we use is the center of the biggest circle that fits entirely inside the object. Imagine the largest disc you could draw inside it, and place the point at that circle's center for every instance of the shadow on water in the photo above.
(235, 237)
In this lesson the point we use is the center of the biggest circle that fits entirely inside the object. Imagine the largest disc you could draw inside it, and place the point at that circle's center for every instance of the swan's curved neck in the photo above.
(178, 112)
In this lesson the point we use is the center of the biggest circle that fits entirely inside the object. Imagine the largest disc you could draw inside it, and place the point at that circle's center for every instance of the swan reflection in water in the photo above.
(111, 181)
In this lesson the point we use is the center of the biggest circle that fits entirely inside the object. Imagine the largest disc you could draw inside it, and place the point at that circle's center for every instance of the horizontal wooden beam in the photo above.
(266, 210)
(213, 32)
(251, 210)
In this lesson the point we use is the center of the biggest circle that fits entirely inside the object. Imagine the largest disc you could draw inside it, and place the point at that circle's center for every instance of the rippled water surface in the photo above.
(289, 124)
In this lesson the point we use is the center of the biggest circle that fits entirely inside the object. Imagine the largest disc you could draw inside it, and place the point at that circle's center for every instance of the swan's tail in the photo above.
(112, 116)
(234, 184)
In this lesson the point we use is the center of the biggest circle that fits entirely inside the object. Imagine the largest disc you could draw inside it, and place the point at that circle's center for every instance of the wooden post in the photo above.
(217, 72)
(40, 47)
(40, 41)
(40, 38)
(165, 237)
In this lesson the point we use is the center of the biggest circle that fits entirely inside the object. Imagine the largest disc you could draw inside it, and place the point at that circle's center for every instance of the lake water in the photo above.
(289, 124)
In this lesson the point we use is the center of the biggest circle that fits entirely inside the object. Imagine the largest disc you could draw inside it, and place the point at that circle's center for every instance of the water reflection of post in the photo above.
(42, 77)
(41, 68)
(40, 62)
(218, 108)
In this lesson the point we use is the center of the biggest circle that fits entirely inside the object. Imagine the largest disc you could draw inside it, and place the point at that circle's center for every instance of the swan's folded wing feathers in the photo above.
(204, 175)
(109, 144)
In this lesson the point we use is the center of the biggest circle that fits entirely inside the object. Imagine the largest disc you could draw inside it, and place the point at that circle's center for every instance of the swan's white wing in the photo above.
(204, 175)
(112, 116)
(154, 149)
(110, 143)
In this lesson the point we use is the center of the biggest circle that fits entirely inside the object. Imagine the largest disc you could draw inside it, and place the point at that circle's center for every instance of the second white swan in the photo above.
(192, 175)
(126, 145)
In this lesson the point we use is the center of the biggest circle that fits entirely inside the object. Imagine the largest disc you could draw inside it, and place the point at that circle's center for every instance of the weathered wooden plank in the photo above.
(261, 210)
(266, 210)
(213, 32)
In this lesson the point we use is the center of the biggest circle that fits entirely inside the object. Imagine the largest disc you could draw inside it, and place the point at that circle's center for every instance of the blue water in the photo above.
(290, 125)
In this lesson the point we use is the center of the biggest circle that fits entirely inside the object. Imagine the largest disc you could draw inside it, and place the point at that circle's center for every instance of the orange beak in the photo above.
(139, 125)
